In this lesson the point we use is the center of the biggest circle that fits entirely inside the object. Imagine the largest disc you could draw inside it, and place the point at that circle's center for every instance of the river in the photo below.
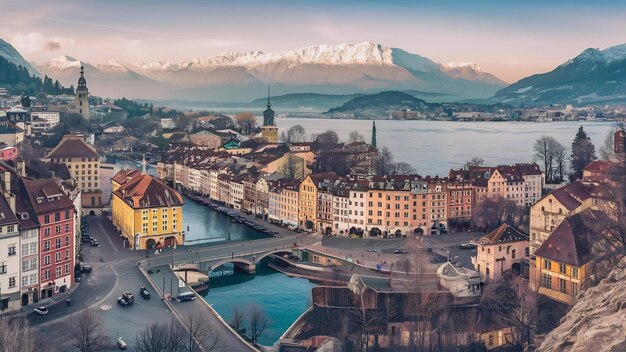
(282, 298)
(433, 147)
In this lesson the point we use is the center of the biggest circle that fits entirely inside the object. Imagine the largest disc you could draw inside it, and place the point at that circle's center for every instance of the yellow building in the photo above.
(562, 261)
(147, 212)
(307, 203)
(308, 199)
(83, 162)
(552, 209)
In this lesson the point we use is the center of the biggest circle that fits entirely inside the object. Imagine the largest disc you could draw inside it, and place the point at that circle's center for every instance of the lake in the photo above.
(433, 147)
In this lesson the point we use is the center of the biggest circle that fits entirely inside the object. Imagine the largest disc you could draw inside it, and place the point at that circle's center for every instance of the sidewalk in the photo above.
(46, 302)
(227, 339)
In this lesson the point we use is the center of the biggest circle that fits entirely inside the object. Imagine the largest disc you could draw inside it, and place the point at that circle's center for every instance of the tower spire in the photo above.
(268, 97)
(374, 133)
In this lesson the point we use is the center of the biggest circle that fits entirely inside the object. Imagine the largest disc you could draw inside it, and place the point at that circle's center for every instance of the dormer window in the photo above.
(39, 200)
(24, 216)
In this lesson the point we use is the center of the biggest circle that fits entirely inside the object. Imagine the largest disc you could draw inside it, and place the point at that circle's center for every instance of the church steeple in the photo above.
(268, 114)
(82, 82)
(269, 131)
(374, 133)
(81, 96)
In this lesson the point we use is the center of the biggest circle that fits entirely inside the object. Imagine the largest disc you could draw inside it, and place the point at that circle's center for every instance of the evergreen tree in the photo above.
(583, 152)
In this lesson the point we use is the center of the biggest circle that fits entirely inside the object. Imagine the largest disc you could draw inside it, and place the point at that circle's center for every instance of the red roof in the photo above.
(73, 146)
(46, 196)
(504, 234)
(572, 241)
(144, 191)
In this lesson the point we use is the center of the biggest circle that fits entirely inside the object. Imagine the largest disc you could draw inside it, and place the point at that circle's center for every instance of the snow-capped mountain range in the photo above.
(232, 76)
(593, 76)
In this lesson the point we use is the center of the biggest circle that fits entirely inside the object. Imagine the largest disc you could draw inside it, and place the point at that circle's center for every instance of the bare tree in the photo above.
(490, 213)
(237, 320)
(385, 162)
(292, 167)
(295, 134)
(161, 338)
(355, 136)
(328, 137)
(606, 150)
(199, 335)
(246, 122)
(475, 161)
(560, 163)
(547, 150)
(87, 333)
(16, 335)
(258, 321)
(403, 168)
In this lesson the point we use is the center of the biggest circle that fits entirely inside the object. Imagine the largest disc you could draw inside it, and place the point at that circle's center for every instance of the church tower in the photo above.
(374, 134)
(82, 95)
(269, 131)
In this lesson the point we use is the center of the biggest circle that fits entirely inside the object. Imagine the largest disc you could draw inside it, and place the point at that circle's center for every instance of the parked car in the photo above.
(186, 296)
(122, 302)
(94, 242)
(86, 239)
(86, 269)
(144, 292)
(292, 227)
(373, 250)
(399, 251)
(41, 310)
(121, 344)
(468, 246)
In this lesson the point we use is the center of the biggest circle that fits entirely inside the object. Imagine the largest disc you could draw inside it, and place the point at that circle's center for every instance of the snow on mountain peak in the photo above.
(64, 62)
(365, 53)
(454, 65)
(112, 66)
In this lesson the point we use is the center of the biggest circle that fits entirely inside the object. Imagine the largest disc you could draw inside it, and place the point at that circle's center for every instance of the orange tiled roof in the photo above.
(144, 191)
(503, 234)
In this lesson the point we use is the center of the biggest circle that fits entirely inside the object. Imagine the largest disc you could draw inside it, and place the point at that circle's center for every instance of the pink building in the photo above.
(7, 153)
(500, 251)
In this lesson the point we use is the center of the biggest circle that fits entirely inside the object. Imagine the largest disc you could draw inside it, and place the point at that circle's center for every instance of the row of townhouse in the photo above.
(37, 239)
(520, 183)
(327, 203)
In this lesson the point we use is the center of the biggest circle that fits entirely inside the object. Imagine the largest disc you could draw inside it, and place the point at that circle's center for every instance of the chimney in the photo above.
(21, 167)
(6, 177)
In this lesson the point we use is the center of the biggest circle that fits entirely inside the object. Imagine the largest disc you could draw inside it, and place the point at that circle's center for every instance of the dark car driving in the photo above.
(144, 293)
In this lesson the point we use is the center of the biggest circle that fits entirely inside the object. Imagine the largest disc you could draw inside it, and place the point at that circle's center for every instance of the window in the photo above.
(58, 243)
(513, 254)
(57, 257)
(46, 246)
(562, 285)
(57, 228)
(11, 249)
(574, 289)
(562, 268)
(57, 216)
(546, 264)
(547, 281)
(67, 215)
(46, 260)
(46, 274)
(575, 272)
(12, 282)
(67, 268)
(46, 219)
(57, 271)
(3, 267)
(67, 228)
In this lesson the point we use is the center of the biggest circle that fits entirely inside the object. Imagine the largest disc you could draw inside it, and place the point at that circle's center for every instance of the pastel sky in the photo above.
(510, 39)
